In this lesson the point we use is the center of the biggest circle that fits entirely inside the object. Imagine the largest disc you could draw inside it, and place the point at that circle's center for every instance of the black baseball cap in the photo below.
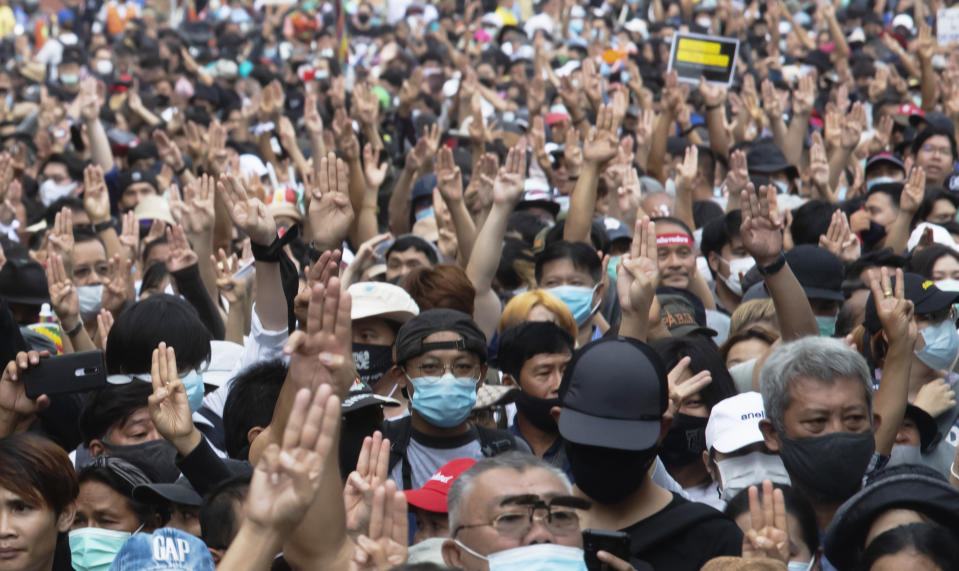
(179, 492)
(409, 339)
(132, 177)
(683, 312)
(764, 157)
(613, 394)
(23, 280)
(923, 293)
(818, 270)
(885, 158)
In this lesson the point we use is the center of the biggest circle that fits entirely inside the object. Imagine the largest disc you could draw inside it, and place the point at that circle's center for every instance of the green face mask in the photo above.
(611, 267)
(94, 549)
(827, 325)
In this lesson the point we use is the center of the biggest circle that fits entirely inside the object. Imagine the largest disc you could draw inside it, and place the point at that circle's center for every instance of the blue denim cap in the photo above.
(163, 550)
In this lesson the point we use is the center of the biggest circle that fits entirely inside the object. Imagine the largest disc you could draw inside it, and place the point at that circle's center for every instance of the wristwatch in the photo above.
(774, 267)
(103, 226)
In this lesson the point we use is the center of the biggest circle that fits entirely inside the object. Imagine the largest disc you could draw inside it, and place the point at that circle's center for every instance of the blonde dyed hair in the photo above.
(518, 309)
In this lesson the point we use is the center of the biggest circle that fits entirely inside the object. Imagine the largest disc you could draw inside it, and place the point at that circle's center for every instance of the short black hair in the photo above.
(796, 504)
(923, 260)
(253, 395)
(936, 542)
(810, 221)
(145, 512)
(704, 211)
(932, 195)
(110, 405)
(516, 260)
(597, 234)
(154, 276)
(140, 327)
(891, 189)
(148, 247)
(71, 202)
(720, 232)
(580, 254)
(404, 243)
(875, 259)
(527, 224)
(523, 342)
(218, 518)
(704, 356)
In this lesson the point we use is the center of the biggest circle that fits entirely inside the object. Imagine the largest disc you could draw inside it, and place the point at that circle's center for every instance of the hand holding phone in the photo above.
(613, 542)
(72, 373)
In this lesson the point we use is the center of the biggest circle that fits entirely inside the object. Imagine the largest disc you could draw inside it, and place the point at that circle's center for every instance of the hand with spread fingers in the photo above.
(768, 533)
(372, 470)
(683, 386)
(246, 212)
(330, 211)
(169, 405)
(181, 255)
(762, 227)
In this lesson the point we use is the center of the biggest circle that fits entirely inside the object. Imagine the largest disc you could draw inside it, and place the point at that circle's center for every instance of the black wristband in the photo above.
(274, 252)
(75, 330)
(180, 170)
(774, 267)
(103, 226)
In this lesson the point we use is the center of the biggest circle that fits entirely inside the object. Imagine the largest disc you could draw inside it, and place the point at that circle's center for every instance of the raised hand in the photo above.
(60, 239)
(913, 191)
(287, 476)
(738, 175)
(346, 139)
(130, 234)
(311, 115)
(168, 405)
(96, 200)
(572, 153)
(840, 240)
(88, 99)
(15, 407)
(508, 187)
(852, 126)
(366, 105)
(330, 210)
(592, 82)
(231, 288)
(246, 212)
(363, 259)
(768, 535)
(449, 181)
(63, 295)
(713, 94)
(479, 192)
(936, 397)
(119, 290)
(894, 310)
(683, 385)
(602, 143)
(169, 153)
(386, 545)
(805, 95)
(195, 210)
(762, 227)
(375, 173)
(688, 170)
(637, 274)
(181, 255)
(195, 144)
(819, 166)
(772, 104)
(372, 470)
(104, 324)
(217, 155)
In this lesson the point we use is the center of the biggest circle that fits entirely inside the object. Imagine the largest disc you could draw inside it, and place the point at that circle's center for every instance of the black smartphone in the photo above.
(72, 373)
(615, 542)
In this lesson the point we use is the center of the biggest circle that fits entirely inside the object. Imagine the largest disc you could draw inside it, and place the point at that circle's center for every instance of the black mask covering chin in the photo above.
(685, 441)
(871, 238)
(537, 411)
(607, 475)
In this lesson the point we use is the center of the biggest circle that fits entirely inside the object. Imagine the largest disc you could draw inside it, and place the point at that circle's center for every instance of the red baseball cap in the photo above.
(432, 496)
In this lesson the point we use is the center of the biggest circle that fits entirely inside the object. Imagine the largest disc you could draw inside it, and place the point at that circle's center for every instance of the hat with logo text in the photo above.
(683, 313)
(734, 423)
(923, 293)
(166, 549)
(432, 496)
(613, 394)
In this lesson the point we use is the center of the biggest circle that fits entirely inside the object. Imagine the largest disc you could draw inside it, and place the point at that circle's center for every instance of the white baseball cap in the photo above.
(381, 299)
(734, 423)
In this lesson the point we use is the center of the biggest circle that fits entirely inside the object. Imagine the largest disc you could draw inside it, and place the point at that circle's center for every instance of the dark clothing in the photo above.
(203, 468)
(555, 454)
(191, 287)
(684, 535)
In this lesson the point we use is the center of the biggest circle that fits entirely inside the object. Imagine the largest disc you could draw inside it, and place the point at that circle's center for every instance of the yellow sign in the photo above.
(701, 52)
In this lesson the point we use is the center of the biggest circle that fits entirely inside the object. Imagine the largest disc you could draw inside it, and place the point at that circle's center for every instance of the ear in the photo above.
(713, 260)
(65, 520)
(773, 443)
(253, 433)
(451, 554)
(555, 412)
(217, 555)
(876, 421)
(484, 368)
(710, 466)
(97, 448)
(509, 381)
(600, 292)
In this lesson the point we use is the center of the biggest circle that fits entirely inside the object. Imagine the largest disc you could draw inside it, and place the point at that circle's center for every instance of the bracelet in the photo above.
(952, 469)
(76, 329)
(773, 267)
(103, 226)
(180, 170)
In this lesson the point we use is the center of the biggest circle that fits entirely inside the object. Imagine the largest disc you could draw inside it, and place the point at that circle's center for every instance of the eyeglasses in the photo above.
(436, 369)
(561, 517)
(944, 151)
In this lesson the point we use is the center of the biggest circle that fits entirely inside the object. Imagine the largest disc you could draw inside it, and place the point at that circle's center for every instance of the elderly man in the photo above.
(516, 511)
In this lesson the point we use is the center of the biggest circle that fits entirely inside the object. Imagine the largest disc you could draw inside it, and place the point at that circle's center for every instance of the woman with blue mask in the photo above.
(573, 272)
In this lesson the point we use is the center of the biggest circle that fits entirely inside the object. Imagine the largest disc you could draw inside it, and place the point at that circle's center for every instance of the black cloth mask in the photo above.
(871, 237)
(607, 475)
(536, 411)
(685, 441)
(157, 459)
(372, 362)
(828, 467)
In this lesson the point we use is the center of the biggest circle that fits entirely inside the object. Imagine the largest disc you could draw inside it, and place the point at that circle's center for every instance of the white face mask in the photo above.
(538, 557)
(90, 298)
(781, 187)
(948, 285)
(801, 565)
(740, 472)
(51, 192)
(104, 66)
(737, 268)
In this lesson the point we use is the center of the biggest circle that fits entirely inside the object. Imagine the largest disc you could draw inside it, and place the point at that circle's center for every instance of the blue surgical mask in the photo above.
(611, 267)
(193, 383)
(575, 27)
(444, 401)
(91, 300)
(801, 565)
(425, 213)
(878, 180)
(781, 187)
(536, 557)
(841, 193)
(942, 345)
(579, 300)
(94, 549)
(827, 325)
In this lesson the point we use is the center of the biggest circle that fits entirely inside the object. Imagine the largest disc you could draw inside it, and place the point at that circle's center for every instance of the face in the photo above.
(745, 350)
(886, 170)
(57, 172)
(137, 429)
(817, 408)
(942, 211)
(908, 434)
(440, 361)
(185, 518)
(100, 506)
(28, 532)
(563, 272)
(677, 262)
(945, 268)
(734, 249)
(133, 194)
(430, 524)
(881, 210)
(905, 560)
(485, 502)
(935, 156)
(402, 263)
(373, 331)
(798, 550)
(90, 265)
(541, 374)
(158, 253)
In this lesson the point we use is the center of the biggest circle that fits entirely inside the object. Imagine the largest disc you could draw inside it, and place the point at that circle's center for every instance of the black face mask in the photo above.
(372, 361)
(685, 441)
(157, 459)
(828, 468)
(871, 238)
(487, 82)
(608, 475)
(363, 18)
(536, 411)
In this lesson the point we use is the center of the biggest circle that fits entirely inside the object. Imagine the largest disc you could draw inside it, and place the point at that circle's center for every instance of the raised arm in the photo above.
(910, 199)
(195, 210)
(449, 183)
(331, 212)
(637, 276)
(803, 99)
(714, 100)
(688, 170)
(89, 103)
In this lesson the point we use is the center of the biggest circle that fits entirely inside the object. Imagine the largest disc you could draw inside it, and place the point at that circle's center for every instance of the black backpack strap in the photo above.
(494, 442)
(399, 432)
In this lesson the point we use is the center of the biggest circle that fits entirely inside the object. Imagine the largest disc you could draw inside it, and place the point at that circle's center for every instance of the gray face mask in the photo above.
(90, 297)
(904, 454)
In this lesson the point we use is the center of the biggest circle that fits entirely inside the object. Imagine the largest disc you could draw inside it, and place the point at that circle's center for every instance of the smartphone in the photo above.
(73, 373)
(595, 540)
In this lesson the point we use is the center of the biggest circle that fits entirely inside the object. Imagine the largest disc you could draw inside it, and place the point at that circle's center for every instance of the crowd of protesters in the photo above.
(478, 285)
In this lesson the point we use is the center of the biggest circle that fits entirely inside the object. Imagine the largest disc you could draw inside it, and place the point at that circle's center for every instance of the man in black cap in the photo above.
(765, 158)
(533, 356)
(613, 415)
(179, 503)
(442, 353)
(883, 168)
(136, 185)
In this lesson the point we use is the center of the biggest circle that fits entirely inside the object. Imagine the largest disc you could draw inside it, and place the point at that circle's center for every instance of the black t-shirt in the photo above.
(684, 535)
